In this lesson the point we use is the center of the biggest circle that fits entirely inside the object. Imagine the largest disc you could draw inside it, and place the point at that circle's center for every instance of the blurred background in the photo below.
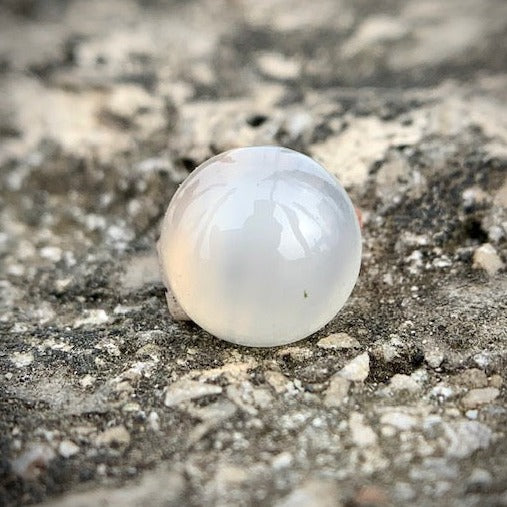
(106, 106)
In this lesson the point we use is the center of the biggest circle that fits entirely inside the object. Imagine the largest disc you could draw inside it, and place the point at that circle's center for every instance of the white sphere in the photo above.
(260, 246)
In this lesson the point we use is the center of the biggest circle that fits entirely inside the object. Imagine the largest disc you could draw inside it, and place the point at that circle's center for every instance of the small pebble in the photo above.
(400, 382)
(338, 341)
(22, 359)
(67, 448)
(131, 407)
(184, 390)
(496, 381)
(358, 369)
(282, 460)
(471, 378)
(479, 476)
(362, 434)
(51, 253)
(477, 397)
(30, 464)
(482, 359)
(277, 380)
(94, 317)
(87, 381)
(474, 195)
(336, 394)
(399, 420)
(434, 358)
(442, 391)
(154, 421)
(472, 414)
(116, 435)
(486, 257)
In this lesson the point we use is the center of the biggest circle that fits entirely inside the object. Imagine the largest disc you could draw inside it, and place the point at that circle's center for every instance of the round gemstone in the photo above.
(260, 246)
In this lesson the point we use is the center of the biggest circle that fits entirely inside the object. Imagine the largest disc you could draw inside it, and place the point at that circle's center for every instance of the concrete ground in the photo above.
(105, 107)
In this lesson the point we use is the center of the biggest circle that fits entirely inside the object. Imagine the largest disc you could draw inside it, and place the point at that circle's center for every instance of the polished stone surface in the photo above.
(261, 246)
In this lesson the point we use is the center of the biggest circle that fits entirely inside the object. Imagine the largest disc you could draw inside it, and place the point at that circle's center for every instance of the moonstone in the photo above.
(260, 246)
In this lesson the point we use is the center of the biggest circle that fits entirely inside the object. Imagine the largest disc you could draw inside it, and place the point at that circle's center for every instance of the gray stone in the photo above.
(434, 357)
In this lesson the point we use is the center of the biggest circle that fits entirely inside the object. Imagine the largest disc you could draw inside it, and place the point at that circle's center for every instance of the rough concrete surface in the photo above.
(105, 106)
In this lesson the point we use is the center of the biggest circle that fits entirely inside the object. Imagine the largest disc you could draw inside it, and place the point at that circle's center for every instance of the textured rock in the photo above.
(106, 107)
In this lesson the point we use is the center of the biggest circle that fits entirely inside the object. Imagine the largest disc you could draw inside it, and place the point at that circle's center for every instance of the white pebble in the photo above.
(362, 435)
(22, 359)
(67, 448)
(358, 369)
(94, 317)
(399, 420)
(486, 257)
(114, 435)
(51, 253)
(338, 341)
(400, 382)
